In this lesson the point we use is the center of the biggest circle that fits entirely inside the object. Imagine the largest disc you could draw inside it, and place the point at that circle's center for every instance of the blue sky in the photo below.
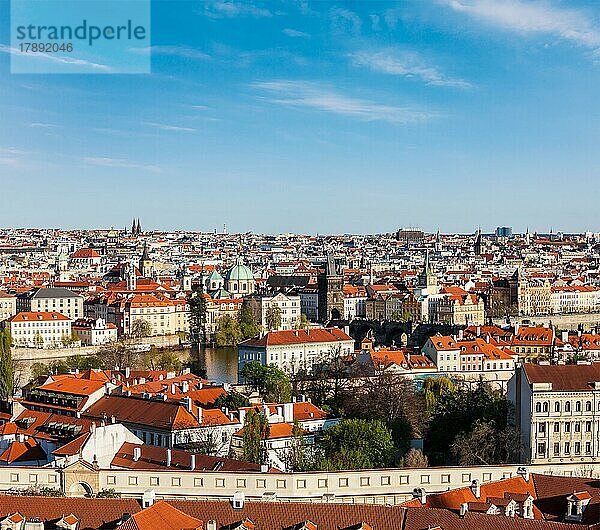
(328, 117)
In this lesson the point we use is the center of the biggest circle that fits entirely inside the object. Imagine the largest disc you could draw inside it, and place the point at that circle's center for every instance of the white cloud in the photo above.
(294, 33)
(345, 21)
(232, 8)
(177, 51)
(405, 63)
(167, 127)
(39, 125)
(318, 97)
(104, 161)
(533, 17)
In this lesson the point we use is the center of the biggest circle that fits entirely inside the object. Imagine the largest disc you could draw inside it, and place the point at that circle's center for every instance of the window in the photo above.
(33, 478)
(541, 448)
(557, 406)
(466, 477)
(385, 481)
(577, 447)
(588, 426)
(542, 427)
(240, 483)
(154, 481)
(445, 479)
(577, 426)
(538, 407)
(556, 426)
(588, 406)
(322, 483)
(487, 477)
(568, 406)
(301, 484)
(261, 483)
(588, 447)
(281, 483)
(567, 448)
(220, 483)
(343, 483)
(567, 427)
(545, 406)
(198, 482)
(424, 479)
(578, 406)
(364, 481)
(403, 479)
(111, 479)
(14, 477)
(175, 481)
(133, 481)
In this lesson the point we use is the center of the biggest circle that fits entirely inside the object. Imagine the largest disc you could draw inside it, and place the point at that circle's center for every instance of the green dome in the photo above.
(239, 273)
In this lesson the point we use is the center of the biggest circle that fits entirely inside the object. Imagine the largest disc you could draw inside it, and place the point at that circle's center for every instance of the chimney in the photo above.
(464, 508)
(460, 334)
(187, 403)
(199, 411)
(523, 472)
(185, 387)
(193, 462)
(288, 412)
(476, 488)
(565, 336)
(419, 493)
(516, 328)
(242, 414)
(264, 468)
(113, 419)
(93, 427)
(487, 339)
(173, 388)
(169, 457)
(478, 331)
(127, 372)
(266, 410)
(211, 525)
(137, 453)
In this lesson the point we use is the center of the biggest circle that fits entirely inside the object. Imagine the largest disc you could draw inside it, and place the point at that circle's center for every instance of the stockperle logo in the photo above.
(80, 36)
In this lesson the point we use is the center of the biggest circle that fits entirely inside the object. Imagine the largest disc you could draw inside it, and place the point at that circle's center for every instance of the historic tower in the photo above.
(331, 292)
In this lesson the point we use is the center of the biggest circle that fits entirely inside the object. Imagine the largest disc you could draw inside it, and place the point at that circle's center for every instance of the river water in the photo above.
(220, 363)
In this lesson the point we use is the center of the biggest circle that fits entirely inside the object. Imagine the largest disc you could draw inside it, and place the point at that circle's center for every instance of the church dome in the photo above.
(239, 273)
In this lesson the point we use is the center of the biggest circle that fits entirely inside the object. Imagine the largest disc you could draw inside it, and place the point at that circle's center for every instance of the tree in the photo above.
(297, 459)
(232, 401)
(38, 340)
(198, 311)
(302, 322)
(6, 365)
(249, 324)
(70, 340)
(271, 383)
(434, 387)
(228, 331)
(119, 354)
(457, 412)
(256, 432)
(140, 328)
(487, 445)
(162, 360)
(108, 494)
(273, 317)
(356, 444)
(415, 458)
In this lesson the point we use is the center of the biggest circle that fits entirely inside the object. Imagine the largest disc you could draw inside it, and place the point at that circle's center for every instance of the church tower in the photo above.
(145, 263)
(477, 247)
(427, 281)
(130, 277)
(438, 242)
(330, 292)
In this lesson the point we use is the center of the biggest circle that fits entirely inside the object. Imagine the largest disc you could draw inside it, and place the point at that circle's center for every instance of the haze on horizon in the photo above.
(322, 117)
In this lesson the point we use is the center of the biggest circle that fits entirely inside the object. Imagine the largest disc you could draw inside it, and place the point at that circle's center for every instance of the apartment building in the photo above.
(8, 305)
(558, 412)
(295, 350)
(40, 329)
(47, 299)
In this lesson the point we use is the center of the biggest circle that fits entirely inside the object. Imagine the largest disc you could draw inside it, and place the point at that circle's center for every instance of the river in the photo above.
(220, 363)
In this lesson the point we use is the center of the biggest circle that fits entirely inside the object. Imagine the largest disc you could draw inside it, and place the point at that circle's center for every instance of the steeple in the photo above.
(427, 281)
(438, 241)
(477, 247)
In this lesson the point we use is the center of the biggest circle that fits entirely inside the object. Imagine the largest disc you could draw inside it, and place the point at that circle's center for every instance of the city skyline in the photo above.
(337, 117)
